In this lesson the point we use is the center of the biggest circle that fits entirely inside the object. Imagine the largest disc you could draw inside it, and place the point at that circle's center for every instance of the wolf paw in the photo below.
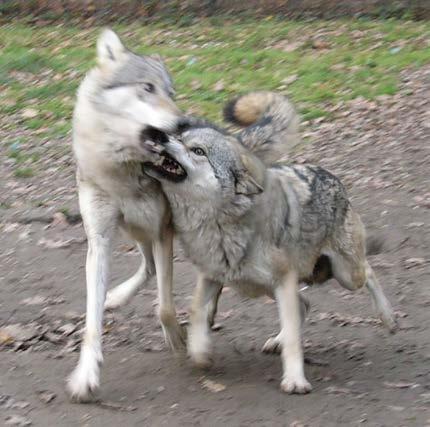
(175, 337)
(116, 298)
(83, 383)
(390, 322)
(202, 360)
(272, 346)
(295, 385)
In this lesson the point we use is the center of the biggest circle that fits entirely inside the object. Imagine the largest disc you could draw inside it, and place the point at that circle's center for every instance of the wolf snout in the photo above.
(150, 133)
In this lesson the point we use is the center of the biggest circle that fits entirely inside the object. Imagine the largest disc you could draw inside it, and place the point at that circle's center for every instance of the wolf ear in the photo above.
(109, 48)
(251, 176)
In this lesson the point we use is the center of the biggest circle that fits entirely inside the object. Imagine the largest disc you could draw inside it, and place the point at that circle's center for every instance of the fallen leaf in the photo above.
(212, 385)
(59, 219)
(396, 408)
(51, 337)
(338, 390)
(290, 79)
(58, 244)
(8, 228)
(414, 262)
(225, 314)
(46, 396)
(21, 404)
(17, 420)
(5, 338)
(415, 224)
(286, 46)
(219, 86)
(29, 113)
(320, 43)
(400, 385)
(67, 329)
(117, 407)
(18, 332)
(36, 300)
(196, 84)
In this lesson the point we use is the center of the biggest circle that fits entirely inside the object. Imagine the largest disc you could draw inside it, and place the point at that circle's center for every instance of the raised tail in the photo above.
(272, 124)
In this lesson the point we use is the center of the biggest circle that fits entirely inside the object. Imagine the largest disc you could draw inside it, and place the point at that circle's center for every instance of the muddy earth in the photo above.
(361, 374)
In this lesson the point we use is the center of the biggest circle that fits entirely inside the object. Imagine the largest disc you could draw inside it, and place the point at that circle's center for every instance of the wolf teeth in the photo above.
(160, 161)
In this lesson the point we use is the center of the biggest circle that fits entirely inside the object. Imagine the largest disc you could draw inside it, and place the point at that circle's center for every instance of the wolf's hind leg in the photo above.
(380, 301)
(122, 293)
(352, 273)
(273, 344)
(213, 307)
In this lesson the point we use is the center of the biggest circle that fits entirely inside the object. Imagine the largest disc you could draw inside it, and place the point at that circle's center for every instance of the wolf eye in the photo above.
(149, 87)
(198, 151)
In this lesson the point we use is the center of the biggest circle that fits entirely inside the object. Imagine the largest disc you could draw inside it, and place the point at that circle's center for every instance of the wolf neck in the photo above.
(215, 240)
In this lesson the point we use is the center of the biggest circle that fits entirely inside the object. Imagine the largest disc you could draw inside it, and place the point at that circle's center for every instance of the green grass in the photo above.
(41, 67)
(26, 172)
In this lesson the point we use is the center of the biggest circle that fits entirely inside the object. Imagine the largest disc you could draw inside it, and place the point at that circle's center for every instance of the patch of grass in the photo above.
(23, 157)
(43, 66)
(65, 211)
(25, 172)
(35, 123)
(5, 205)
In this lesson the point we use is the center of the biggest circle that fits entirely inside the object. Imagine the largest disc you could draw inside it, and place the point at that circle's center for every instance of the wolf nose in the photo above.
(183, 124)
(153, 134)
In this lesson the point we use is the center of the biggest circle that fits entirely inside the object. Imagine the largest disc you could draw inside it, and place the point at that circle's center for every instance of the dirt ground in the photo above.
(361, 374)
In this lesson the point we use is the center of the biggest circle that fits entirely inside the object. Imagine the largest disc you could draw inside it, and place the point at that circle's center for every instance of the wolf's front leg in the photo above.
(100, 224)
(198, 336)
(287, 296)
(174, 333)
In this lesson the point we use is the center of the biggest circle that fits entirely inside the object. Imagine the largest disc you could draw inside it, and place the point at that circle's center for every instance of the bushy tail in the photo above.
(272, 124)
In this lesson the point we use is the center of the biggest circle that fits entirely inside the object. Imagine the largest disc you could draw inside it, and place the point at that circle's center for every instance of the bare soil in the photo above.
(366, 377)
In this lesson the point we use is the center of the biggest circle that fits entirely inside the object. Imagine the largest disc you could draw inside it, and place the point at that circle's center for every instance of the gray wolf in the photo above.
(261, 229)
(270, 130)
(119, 104)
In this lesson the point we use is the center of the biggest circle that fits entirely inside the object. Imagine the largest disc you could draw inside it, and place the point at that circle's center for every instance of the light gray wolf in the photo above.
(270, 130)
(261, 229)
(119, 103)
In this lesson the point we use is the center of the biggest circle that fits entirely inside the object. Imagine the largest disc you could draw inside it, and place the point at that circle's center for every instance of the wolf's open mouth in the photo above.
(167, 167)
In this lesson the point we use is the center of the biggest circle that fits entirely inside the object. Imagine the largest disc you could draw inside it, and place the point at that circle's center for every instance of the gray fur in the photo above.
(274, 133)
(143, 69)
(297, 223)
(263, 239)
(115, 107)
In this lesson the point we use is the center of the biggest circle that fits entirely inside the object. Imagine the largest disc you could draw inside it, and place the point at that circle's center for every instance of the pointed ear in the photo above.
(110, 50)
(251, 176)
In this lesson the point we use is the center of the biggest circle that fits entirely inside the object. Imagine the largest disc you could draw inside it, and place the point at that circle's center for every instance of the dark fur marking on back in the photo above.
(326, 178)
(301, 176)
